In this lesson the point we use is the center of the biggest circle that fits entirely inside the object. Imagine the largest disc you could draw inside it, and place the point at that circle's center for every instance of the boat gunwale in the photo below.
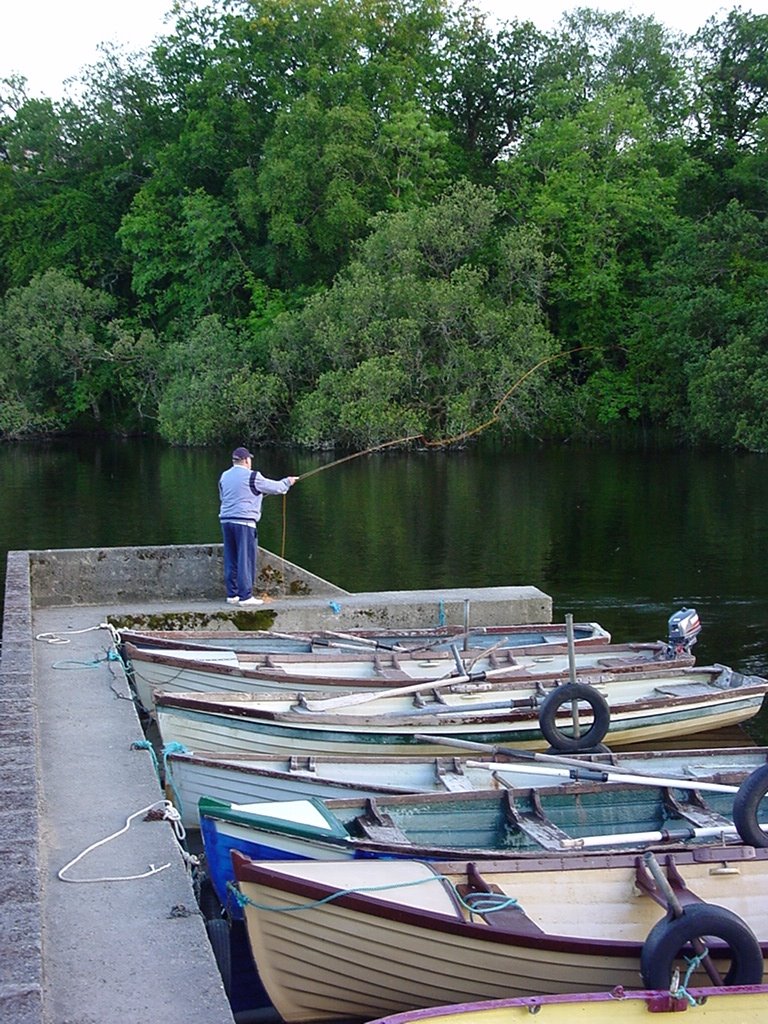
(534, 1003)
(231, 705)
(392, 675)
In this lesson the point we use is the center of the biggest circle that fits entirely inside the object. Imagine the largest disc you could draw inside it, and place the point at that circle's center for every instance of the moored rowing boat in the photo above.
(643, 708)
(358, 939)
(256, 778)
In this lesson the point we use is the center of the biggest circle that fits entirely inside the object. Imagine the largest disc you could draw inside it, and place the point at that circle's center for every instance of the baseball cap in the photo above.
(241, 453)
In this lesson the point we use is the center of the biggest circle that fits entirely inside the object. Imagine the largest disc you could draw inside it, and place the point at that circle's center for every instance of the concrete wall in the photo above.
(21, 964)
(406, 609)
(193, 572)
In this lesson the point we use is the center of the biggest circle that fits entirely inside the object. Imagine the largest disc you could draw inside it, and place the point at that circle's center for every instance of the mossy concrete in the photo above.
(186, 572)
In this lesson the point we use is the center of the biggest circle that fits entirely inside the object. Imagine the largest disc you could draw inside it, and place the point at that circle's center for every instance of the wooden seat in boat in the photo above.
(452, 776)
(696, 811)
(476, 890)
(380, 828)
(645, 881)
(535, 823)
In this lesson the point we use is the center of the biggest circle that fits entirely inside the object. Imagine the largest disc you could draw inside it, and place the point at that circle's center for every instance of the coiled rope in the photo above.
(62, 637)
(169, 813)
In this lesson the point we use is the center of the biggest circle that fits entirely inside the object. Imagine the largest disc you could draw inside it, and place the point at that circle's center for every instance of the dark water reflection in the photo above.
(623, 538)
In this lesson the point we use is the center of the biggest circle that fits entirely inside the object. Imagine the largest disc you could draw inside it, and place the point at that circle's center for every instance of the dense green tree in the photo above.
(298, 122)
(214, 393)
(326, 171)
(592, 50)
(731, 80)
(700, 328)
(729, 398)
(54, 361)
(443, 300)
(339, 220)
(730, 111)
(489, 84)
(592, 186)
(69, 175)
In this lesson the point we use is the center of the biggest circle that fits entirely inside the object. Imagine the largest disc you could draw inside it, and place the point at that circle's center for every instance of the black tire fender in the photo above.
(218, 936)
(564, 694)
(746, 804)
(670, 935)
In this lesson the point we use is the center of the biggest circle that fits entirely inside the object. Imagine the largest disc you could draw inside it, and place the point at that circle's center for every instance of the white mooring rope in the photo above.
(169, 813)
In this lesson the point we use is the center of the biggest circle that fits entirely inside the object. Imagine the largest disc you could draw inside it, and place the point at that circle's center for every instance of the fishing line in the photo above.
(439, 443)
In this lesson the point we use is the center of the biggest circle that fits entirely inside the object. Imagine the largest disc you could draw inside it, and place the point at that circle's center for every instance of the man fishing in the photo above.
(241, 489)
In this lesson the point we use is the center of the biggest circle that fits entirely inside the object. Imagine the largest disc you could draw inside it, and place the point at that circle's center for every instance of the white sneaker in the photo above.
(250, 602)
(233, 600)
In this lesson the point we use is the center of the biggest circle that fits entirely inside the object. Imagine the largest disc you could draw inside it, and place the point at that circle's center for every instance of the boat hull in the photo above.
(248, 778)
(223, 671)
(330, 941)
(236, 726)
(480, 824)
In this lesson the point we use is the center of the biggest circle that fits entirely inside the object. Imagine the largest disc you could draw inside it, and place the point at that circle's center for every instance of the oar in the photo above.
(663, 836)
(364, 641)
(434, 710)
(595, 774)
(443, 641)
(484, 652)
(554, 759)
(349, 699)
(320, 639)
(368, 650)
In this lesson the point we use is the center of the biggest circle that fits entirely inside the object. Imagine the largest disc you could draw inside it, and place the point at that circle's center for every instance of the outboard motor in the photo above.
(684, 628)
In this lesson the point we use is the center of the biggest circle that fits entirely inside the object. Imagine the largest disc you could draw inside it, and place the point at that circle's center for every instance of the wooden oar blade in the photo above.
(348, 699)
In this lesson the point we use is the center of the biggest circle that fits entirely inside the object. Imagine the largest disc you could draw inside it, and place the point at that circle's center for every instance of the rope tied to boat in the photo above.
(495, 901)
(172, 748)
(678, 991)
(146, 745)
(159, 811)
(243, 901)
(70, 664)
(62, 637)
(486, 902)
(111, 656)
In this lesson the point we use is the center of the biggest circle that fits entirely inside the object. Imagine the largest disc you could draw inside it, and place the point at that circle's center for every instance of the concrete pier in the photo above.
(91, 944)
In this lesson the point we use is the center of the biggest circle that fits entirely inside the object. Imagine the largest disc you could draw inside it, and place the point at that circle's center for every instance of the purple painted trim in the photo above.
(658, 1002)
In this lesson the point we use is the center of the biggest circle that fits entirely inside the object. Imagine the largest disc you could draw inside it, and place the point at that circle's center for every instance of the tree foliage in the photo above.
(436, 298)
(56, 366)
(353, 221)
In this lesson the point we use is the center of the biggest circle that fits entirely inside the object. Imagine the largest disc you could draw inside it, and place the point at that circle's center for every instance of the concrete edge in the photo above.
(78, 577)
(21, 917)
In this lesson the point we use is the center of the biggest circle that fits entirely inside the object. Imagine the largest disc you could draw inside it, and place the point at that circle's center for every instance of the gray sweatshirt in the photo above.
(241, 491)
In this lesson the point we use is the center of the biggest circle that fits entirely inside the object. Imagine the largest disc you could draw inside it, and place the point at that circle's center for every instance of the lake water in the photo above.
(622, 538)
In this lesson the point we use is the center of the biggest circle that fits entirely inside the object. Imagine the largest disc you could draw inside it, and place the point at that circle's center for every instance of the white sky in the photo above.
(48, 41)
